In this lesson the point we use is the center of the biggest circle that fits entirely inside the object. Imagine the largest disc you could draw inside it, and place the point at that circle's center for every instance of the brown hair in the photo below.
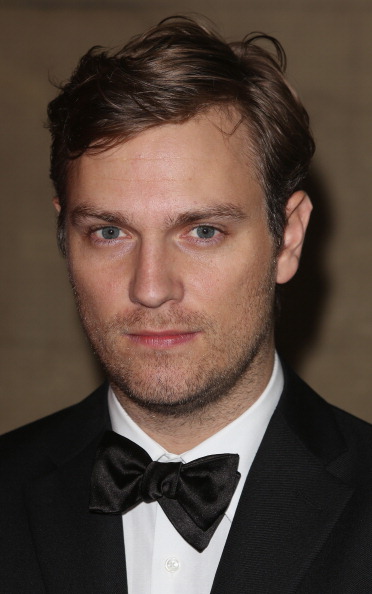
(173, 72)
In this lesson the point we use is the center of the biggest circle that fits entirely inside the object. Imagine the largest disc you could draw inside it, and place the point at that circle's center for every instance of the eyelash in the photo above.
(93, 233)
(217, 233)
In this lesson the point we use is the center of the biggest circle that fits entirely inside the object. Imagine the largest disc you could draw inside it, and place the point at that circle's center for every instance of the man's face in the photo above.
(173, 264)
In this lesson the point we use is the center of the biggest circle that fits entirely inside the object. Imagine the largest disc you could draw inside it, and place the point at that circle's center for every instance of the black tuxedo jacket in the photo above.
(303, 524)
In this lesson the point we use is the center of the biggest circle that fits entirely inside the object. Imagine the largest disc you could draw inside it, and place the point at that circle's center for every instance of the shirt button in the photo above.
(172, 564)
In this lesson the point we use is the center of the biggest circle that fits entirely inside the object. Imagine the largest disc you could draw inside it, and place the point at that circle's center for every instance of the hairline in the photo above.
(232, 111)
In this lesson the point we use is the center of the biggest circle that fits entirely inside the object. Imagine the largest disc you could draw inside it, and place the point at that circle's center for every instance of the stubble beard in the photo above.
(181, 387)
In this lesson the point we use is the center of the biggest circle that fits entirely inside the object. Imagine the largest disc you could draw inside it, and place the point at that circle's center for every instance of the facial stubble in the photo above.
(180, 386)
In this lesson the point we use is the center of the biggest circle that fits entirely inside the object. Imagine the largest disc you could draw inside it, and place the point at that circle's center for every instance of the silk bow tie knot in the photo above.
(194, 496)
(160, 479)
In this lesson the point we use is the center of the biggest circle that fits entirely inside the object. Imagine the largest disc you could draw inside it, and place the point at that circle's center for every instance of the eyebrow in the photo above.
(83, 212)
(221, 211)
(226, 211)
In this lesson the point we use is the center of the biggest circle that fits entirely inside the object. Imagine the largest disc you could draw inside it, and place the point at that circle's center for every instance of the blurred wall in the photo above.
(325, 328)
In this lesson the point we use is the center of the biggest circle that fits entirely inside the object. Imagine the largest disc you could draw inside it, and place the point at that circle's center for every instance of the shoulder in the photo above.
(30, 448)
(358, 439)
(329, 432)
(302, 395)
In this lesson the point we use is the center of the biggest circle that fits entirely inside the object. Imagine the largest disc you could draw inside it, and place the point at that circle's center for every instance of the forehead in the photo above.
(205, 159)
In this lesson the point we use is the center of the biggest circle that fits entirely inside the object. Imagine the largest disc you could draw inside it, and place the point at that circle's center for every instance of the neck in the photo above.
(178, 434)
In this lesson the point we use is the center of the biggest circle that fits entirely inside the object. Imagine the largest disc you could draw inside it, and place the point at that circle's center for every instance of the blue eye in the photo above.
(110, 232)
(205, 232)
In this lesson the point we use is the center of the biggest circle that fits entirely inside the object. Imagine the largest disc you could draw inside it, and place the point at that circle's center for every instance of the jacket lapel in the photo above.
(290, 502)
(288, 507)
(78, 551)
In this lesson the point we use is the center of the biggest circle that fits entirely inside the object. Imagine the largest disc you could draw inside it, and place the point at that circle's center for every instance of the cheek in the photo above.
(234, 290)
(96, 289)
(95, 275)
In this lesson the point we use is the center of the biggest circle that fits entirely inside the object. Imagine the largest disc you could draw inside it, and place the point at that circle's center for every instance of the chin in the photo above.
(194, 392)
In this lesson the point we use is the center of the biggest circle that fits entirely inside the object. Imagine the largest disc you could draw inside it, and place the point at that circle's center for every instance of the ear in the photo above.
(298, 212)
(56, 204)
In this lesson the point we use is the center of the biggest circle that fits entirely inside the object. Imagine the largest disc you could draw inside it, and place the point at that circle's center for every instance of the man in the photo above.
(178, 164)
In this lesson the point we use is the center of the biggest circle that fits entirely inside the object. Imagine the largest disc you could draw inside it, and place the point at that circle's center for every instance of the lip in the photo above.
(164, 339)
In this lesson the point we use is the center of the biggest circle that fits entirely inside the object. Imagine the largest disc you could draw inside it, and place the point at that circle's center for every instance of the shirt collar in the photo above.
(242, 436)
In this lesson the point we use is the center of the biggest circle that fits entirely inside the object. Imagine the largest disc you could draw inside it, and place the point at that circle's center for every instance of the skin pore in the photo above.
(174, 272)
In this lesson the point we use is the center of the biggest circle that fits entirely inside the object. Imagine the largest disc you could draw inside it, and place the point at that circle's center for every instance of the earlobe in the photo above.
(298, 212)
(56, 204)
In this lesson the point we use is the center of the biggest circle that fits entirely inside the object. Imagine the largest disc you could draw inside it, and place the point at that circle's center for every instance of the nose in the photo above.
(155, 278)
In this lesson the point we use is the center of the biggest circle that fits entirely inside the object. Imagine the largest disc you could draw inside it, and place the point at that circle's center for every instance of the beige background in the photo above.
(327, 312)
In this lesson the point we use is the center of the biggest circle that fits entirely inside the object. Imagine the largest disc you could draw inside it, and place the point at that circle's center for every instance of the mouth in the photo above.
(164, 339)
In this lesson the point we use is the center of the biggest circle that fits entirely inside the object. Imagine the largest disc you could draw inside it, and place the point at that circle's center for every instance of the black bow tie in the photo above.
(194, 496)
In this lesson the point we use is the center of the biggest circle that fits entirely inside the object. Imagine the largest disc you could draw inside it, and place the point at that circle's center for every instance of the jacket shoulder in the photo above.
(328, 431)
(37, 443)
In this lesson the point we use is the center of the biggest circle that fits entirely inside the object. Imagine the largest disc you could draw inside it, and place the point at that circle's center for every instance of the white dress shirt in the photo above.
(158, 559)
